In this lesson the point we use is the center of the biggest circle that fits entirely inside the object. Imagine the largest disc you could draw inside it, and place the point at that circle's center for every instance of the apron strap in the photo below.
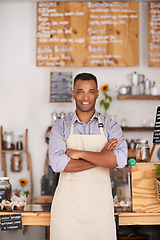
(100, 125)
(71, 132)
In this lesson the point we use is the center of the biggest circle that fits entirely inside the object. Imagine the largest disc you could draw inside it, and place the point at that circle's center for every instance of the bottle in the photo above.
(132, 144)
(142, 151)
(19, 143)
(5, 189)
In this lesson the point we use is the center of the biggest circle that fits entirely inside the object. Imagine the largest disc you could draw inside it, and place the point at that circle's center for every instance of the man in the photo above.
(83, 147)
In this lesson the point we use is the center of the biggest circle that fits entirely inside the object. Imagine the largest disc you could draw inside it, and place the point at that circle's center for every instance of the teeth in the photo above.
(85, 103)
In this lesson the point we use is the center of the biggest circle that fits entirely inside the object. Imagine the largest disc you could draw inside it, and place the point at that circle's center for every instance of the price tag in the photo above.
(12, 221)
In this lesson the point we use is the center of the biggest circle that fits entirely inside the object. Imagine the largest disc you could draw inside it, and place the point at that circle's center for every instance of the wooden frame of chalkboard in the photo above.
(60, 87)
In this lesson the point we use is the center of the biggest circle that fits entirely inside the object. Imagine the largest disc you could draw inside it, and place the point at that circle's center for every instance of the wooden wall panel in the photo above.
(143, 188)
(154, 34)
(87, 34)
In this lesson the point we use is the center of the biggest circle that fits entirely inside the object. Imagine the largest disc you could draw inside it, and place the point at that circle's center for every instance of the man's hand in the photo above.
(111, 145)
(72, 153)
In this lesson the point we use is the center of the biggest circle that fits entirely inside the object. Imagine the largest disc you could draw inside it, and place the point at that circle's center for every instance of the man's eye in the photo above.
(79, 91)
(91, 91)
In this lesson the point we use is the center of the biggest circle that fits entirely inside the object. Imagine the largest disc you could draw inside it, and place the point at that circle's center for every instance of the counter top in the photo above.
(39, 214)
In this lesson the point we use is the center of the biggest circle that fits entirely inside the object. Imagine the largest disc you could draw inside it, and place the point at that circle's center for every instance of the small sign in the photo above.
(116, 217)
(156, 135)
(12, 221)
(61, 87)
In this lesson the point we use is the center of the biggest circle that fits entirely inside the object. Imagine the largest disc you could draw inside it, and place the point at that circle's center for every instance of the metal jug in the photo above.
(134, 82)
(134, 78)
(147, 87)
(141, 83)
(138, 84)
(154, 90)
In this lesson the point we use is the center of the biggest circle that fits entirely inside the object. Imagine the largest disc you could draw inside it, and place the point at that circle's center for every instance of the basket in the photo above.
(157, 187)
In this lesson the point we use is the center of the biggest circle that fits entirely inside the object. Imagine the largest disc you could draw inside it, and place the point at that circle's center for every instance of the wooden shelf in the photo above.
(28, 159)
(43, 199)
(13, 151)
(138, 129)
(138, 97)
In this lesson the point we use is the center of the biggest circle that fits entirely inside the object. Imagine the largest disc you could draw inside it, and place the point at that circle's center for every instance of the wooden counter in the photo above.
(43, 218)
(139, 219)
(145, 205)
(32, 218)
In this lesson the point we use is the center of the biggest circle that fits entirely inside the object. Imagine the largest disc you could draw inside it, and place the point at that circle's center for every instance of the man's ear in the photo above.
(97, 93)
(73, 94)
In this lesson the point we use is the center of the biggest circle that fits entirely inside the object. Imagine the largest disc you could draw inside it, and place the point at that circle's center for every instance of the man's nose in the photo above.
(85, 96)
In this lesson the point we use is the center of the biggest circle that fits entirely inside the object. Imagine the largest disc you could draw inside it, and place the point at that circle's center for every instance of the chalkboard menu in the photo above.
(61, 87)
(87, 34)
(10, 222)
(156, 136)
(154, 33)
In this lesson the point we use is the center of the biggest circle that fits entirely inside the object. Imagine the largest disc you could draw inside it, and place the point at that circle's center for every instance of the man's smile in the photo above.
(85, 103)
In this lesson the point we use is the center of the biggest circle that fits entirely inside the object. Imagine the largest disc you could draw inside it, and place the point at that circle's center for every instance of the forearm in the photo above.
(105, 159)
(75, 165)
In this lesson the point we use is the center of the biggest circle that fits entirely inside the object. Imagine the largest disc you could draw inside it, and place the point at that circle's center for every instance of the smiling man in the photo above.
(82, 148)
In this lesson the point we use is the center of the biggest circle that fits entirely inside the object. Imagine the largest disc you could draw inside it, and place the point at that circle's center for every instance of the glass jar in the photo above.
(5, 189)
(8, 141)
(16, 162)
(142, 151)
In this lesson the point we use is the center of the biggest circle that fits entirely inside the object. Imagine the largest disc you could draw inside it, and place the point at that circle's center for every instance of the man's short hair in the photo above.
(86, 77)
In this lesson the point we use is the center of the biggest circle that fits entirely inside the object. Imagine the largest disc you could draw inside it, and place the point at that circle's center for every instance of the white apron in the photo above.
(82, 207)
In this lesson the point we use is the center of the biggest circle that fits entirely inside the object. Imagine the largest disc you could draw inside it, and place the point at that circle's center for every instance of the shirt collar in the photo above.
(75, 117)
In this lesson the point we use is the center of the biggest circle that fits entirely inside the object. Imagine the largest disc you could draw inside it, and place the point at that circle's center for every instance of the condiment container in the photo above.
(5, 189)
(16, 162)
(142, 151)
(19, 143)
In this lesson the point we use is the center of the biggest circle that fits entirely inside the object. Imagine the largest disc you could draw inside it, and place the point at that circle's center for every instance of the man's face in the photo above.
(85, 94)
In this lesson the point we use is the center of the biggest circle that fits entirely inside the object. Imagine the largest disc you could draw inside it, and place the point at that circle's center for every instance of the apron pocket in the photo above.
(89, 198)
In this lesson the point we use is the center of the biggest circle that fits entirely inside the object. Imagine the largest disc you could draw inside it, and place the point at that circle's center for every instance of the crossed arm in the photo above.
(82, 160)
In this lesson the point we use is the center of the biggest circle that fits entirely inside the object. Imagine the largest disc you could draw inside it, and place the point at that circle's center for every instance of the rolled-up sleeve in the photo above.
(121, 151)
(57, 148)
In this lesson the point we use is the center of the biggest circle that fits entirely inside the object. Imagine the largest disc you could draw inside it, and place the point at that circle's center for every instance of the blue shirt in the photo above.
(61, 131)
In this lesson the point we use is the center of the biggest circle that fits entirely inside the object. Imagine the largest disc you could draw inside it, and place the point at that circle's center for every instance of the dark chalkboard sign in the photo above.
(12, 221)
(156, 135)
(61, 87)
